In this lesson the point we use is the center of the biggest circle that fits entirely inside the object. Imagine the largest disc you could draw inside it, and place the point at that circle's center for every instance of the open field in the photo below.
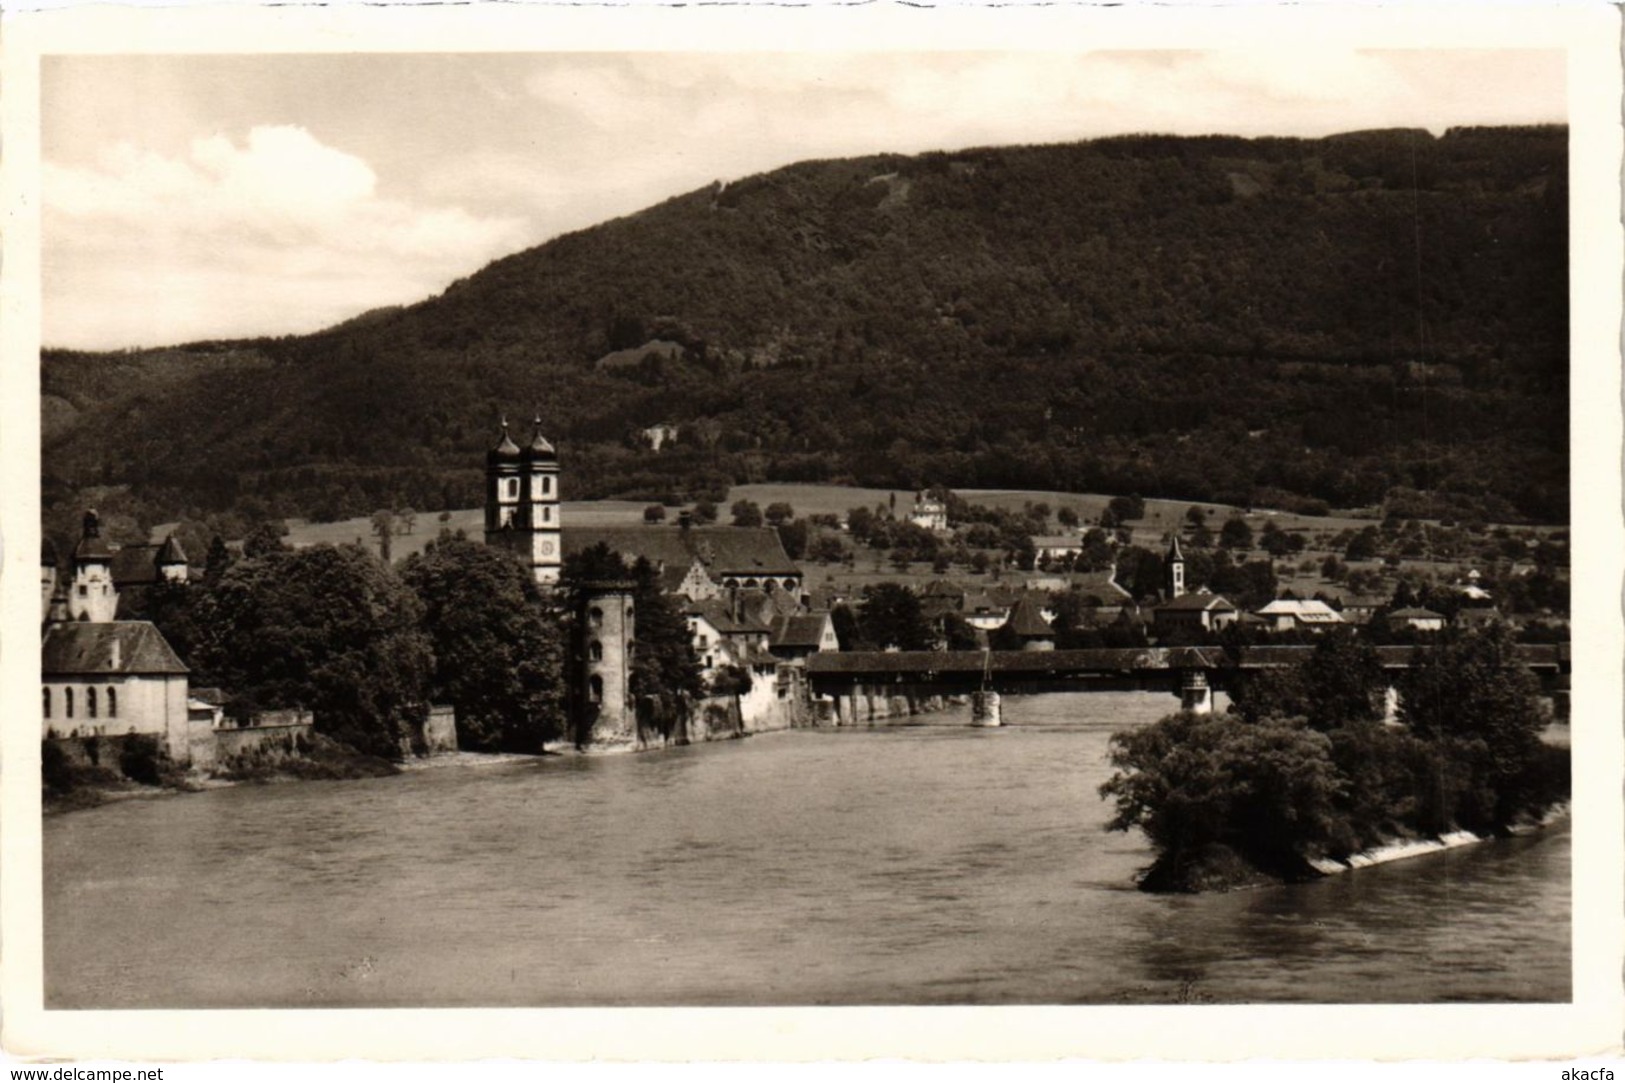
(469, 520)
(1162, 516)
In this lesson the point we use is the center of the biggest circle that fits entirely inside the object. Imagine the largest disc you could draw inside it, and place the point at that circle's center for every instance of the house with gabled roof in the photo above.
(797, 635)
(1290, 614)
(1200, 612)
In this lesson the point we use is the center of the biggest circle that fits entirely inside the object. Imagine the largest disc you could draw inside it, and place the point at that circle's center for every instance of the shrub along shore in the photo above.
(1304, 771)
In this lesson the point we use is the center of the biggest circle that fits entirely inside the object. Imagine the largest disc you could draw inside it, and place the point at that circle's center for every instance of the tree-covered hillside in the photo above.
(1273, 321)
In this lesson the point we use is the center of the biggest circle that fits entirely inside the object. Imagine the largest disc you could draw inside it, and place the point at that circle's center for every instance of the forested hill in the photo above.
(1380, 315)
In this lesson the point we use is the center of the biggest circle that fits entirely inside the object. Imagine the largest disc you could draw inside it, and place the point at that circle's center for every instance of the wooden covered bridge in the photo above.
(1192, 673)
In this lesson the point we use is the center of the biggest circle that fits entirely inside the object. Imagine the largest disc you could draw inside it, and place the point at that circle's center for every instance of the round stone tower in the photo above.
(608, 622)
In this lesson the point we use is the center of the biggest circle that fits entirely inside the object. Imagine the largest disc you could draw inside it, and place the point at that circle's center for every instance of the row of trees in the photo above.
(1304, 767)
(367, 647)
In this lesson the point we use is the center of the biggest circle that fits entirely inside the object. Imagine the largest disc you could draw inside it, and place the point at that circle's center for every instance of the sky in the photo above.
(195, 197)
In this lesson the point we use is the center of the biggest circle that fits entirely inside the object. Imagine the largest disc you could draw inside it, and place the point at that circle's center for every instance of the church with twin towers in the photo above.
(522, 506)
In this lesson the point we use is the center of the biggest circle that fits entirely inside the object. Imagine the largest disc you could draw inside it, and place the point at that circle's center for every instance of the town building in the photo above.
(699, 562)
(930, 513)
(797, 635)
(1422, 620)
(1053, 547)
(1298, 614)
(1193, 613)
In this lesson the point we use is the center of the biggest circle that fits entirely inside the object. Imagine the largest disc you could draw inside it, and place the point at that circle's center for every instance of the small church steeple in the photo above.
(1173, 569)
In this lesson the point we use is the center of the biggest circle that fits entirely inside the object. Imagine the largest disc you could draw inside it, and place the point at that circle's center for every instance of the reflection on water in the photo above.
(931, 863)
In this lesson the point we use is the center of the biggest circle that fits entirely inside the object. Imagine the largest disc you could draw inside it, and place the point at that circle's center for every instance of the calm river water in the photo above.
(921, 864)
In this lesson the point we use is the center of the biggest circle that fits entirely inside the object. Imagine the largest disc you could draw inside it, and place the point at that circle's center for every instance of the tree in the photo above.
(1470, 693)
(779, 513)
(958, 634)
(499, 653)
(859, 523)
(746, 513)
(1067, 518)
(218, 560)
(1266, 791)
(1341, 683)
(1236, 534)
(892, 617)
(265, 539)
(383, 525)
(330, 629)
(704, 512)
(1363, 546)
(654, 513)
(1126, 508)
(408, 518)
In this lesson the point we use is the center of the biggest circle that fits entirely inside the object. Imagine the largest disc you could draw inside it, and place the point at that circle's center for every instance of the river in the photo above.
(910, 864)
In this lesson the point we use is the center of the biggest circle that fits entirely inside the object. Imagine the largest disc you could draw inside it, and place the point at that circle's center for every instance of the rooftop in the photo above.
(128, 646)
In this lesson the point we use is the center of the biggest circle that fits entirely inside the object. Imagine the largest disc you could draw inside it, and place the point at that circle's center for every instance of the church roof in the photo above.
(723, 550)
(48, 556)
(82, 648)
(1173, 548)
(1198, 602)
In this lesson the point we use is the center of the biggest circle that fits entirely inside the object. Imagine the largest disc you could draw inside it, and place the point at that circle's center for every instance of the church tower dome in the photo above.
(505, 450)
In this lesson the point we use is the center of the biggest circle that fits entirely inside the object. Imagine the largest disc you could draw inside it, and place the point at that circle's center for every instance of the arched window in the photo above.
(595, 689)
(511, 485)
(90, 703)
(595, 616)
(112, 703)
(595, 651)
(67, 703)
(47, 691)
(547, 513)
(547, 485)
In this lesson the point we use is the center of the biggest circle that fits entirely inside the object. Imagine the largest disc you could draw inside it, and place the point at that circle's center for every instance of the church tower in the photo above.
(1173, 569)
(522, 503)
(541, 515)
(92, 597)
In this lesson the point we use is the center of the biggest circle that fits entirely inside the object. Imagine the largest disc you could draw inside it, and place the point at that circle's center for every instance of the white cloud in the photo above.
(271, 230)
(275, 234)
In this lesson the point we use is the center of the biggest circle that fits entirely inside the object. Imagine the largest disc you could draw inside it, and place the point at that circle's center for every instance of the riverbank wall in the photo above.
(773, 701)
